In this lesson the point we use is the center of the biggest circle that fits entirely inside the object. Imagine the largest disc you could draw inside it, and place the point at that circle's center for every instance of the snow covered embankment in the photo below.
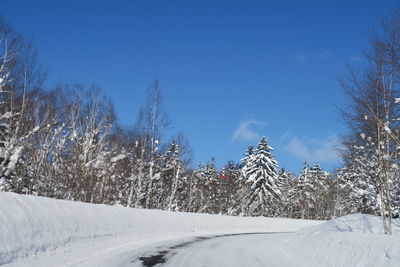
(353, 240)
(30, 225)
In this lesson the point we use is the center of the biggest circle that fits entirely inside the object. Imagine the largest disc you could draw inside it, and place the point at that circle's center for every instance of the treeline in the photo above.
(66, 143)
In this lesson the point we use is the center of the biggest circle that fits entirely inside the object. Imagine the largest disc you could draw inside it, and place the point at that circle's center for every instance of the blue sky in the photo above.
(231, 71)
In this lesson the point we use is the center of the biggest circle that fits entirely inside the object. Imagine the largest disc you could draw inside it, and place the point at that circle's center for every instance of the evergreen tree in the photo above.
(356, 194)
(248, 155)
(304, 193)
(260, 172)
(230, 187)
(287, 182)
(358, 181)
(323, 193)
(314, 194)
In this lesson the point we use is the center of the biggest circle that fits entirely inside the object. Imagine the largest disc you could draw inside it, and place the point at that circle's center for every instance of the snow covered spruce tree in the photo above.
(324, 193)
(245, 161)
(230, 186)
(357, 192)
(205, 189)
(288, 188)
(305, 194)
(311, 195)
(197, 183)
(261, 174)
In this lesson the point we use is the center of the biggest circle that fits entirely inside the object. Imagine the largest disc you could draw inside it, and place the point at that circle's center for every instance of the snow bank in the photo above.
(353, 240)
(30, 225)
(355, 223)
(37, 231)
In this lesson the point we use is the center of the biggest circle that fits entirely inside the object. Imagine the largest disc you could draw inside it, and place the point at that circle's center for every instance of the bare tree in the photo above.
(19, 75)
(151, 124)
(372, 115)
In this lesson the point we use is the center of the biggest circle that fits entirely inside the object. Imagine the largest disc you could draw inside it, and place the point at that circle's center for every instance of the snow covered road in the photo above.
(238, 249)
(248, 249)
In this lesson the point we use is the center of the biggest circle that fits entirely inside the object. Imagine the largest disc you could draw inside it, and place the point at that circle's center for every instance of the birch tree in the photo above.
(372, 113)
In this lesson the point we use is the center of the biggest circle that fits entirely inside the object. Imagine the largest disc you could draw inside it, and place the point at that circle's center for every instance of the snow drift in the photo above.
(36, 231)
(355, 223)
(352, 240)
(31, 225)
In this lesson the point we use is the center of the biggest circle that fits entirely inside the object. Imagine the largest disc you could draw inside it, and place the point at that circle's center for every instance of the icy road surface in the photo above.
(249, 249)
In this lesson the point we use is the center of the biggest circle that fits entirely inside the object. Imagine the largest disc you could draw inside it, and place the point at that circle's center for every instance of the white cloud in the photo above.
(246, 130)
(322, 150)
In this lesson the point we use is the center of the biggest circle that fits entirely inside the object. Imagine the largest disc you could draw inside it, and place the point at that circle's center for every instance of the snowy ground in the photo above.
(45, 232)
(355, 240)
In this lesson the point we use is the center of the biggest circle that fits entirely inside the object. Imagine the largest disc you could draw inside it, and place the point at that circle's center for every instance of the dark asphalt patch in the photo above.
(154, 259)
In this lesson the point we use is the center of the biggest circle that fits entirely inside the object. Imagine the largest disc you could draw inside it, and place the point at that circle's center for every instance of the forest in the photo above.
(66, 143)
